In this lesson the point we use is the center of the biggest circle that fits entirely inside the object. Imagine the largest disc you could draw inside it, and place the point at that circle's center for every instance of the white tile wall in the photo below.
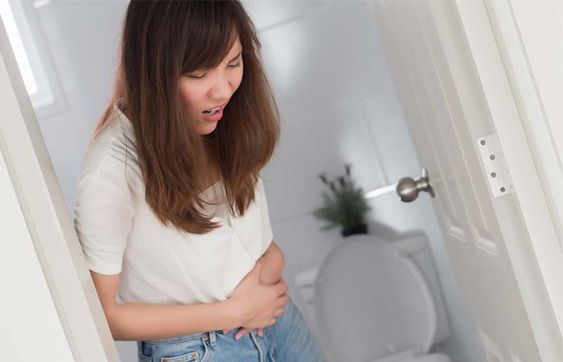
(321, 142)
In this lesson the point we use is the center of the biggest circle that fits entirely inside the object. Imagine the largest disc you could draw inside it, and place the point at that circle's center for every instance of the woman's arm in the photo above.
(256, 304)
(274, 264)
(161, 320)
(138, 321)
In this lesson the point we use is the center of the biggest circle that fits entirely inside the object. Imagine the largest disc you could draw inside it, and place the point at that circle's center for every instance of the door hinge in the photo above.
(492, 160)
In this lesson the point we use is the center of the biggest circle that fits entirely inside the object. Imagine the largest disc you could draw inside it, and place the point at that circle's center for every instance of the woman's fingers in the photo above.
(281, 288)
(283, 300)
(242, 332)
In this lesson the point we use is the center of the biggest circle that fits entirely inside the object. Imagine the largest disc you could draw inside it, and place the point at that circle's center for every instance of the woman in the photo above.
(171, 211)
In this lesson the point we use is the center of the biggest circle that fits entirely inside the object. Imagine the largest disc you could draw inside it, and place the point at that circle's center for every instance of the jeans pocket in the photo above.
(143, 358)
(192, 356)
(189, 350)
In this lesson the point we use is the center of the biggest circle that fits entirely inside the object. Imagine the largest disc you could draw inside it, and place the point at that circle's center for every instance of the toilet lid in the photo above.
(371, 302)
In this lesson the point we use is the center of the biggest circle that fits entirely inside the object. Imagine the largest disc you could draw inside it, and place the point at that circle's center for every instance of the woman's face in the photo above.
(211, 88)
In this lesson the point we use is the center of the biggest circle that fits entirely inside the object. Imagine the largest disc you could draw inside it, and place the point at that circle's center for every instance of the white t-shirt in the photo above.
(119, 233)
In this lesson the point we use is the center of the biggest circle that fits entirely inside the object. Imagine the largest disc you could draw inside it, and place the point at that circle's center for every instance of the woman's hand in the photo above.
(245, 330)
(259, 304)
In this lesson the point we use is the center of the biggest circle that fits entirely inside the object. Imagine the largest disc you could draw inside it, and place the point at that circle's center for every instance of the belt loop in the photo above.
(143, 348)
(212, 339)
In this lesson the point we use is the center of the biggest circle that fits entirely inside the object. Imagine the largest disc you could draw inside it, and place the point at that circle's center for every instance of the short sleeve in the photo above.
(104, 213)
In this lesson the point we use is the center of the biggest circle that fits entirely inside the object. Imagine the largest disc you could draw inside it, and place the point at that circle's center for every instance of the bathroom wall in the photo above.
(337, 103)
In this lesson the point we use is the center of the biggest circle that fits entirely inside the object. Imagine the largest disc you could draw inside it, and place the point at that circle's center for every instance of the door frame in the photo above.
(49, 223)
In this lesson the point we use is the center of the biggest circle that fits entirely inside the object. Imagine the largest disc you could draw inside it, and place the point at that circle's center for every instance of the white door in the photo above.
(467, 133)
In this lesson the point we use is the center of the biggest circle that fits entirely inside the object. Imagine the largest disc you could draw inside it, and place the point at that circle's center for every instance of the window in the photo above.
(36, 69)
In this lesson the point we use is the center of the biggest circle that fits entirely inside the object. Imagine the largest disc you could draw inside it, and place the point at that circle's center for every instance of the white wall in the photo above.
(82, 37)
(337, 103)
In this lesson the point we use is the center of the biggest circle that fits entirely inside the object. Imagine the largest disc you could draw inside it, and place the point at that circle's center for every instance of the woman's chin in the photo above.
(207, 129)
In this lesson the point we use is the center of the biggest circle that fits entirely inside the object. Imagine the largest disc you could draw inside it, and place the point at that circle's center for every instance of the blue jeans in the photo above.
(288, 340)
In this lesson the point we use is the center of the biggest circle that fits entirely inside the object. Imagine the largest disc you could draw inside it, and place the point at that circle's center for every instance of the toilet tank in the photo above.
(416, 247)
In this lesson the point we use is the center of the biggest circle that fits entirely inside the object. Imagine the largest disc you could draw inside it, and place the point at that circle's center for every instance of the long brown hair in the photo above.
(161, 40)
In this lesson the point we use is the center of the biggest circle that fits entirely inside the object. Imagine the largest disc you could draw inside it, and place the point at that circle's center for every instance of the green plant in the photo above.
(345, 205)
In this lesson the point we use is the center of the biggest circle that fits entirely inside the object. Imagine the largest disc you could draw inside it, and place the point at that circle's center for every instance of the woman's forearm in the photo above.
(274, 264)
(141, 321)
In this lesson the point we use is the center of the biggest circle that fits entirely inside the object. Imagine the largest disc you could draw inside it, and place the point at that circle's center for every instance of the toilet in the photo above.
(377, 300)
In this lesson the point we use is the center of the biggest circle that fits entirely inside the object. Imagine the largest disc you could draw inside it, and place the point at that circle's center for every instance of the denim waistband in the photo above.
(210, 336)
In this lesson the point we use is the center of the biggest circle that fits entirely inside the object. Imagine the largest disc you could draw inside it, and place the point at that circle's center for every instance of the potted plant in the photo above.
(345, 205)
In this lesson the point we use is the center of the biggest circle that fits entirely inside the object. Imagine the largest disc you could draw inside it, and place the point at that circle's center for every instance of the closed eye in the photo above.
(199, 76)
(196, 76)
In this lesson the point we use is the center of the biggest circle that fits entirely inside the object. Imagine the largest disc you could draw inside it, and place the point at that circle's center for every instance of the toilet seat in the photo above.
(371, 303)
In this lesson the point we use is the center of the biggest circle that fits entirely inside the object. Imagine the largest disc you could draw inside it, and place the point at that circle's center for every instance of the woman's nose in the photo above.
(221, 89)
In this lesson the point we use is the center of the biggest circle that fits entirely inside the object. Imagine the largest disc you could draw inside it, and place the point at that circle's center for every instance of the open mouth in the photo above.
(212, 111)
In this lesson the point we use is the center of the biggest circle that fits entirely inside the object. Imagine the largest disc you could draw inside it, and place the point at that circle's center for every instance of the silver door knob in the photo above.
(408, 189)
